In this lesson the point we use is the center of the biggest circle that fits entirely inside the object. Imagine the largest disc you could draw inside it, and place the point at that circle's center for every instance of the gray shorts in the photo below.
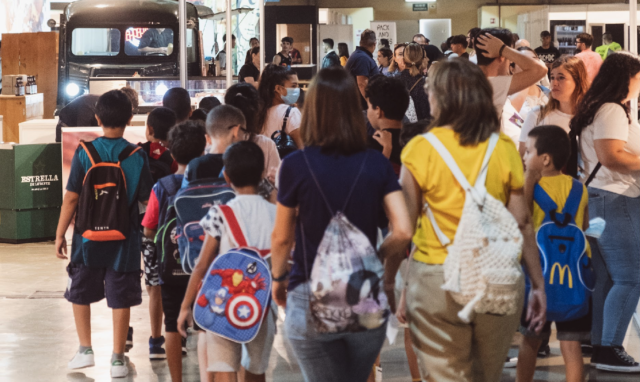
(88, 285)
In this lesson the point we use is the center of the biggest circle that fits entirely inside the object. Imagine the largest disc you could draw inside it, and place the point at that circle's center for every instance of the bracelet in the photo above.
(281, 278)
(501, 50)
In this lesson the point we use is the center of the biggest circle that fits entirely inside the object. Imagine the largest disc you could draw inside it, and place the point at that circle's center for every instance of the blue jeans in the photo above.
(347, 357)
(616, 260)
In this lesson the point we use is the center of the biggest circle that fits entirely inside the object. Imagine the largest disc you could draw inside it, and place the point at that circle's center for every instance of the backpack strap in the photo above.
(234, 226)
(417, 82)
(545, 202)
(171, 184)
(91, 151)
(573, 201)
(285, 119)
(127, 152)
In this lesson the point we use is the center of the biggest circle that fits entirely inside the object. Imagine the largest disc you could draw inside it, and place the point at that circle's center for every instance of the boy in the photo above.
(187, 143)
(178, 100)
(243, 167)
(106, 268)
(161, 164)
(547, 151)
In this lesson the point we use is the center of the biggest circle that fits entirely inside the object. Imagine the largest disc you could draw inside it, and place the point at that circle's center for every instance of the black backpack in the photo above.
(284, 142)
(103, 207)
(160, 167)
(169, 264)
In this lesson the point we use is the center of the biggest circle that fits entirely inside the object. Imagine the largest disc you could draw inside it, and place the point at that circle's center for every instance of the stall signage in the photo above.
(386, 30)
(421, 7)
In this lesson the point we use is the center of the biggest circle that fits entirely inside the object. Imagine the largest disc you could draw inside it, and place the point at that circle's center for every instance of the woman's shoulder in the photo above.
(610, 109)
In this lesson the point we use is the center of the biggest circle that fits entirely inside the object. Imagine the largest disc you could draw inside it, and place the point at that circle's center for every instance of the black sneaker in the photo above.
(595, 355)
(587, 348)
(615, 358)
(129, 343)
(184, 346)
(544, 351)
(156, 351)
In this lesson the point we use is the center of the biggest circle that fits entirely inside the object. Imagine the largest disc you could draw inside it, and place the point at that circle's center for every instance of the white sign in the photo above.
(384, 30)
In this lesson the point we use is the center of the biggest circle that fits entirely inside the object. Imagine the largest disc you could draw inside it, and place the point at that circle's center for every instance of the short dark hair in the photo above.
(224, 37)
(459, 39)
(244, 164)
(585, 38)
(545, 34)
(386, 52)
(367, 38)
(287, 39)
(503, 34)
(473, 32)
(607, 36)
(252, 39)
(161, 119)
(187, 141)
(220, 119)
(114, 109)
(385, 43)
(420, 35)
(199, 115)
(328, 41)
(390, 95)
(208, 103)
(178, 100)
(553, 141)
(133, 96)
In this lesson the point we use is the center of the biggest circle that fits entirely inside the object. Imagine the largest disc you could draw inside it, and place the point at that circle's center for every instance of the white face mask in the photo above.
(292, 96)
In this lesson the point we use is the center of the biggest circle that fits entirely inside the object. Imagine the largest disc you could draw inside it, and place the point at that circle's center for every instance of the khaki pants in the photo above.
(447, 348)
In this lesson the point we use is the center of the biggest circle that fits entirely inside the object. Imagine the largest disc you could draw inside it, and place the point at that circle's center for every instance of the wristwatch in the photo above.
(281, 278)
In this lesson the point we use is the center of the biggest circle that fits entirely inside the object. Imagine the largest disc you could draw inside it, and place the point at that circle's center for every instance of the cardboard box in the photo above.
(9, 83)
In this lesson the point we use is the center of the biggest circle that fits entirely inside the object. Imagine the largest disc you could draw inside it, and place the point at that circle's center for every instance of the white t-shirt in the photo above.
(556, 117)
(275, 118)
(611, 122)
(511, 122)
(500, 85)
(532, 101)
(255, 215)
(271, 156)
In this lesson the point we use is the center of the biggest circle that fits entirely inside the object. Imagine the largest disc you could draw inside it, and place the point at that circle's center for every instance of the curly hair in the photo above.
(578, 72)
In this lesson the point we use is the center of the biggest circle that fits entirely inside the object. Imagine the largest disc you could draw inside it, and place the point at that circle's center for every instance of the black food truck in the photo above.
(103, 42)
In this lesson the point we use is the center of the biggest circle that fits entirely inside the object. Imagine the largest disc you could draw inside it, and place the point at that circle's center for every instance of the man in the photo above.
(608, 46)
(296, 58)
(421, 39)
(331, 57)
(222, 55)
(592, 60)
(253, 42)
(361, 64)
(547, 52)
(458, 46)
(283, 58)
(156, 40)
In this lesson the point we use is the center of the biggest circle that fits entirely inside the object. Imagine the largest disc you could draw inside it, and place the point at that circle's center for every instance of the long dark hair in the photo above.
(272, 76)
(463, 98)
(332, 117)
(343, 49)
(245, 97)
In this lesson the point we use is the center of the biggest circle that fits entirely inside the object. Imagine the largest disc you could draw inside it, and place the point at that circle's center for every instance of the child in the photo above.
(187, 142)
(243, 167)
(105, 268)
(225, 125)
(178, 100)
(547, 151)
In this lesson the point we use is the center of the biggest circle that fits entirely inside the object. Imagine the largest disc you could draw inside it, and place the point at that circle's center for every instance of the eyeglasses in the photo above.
(241, 128)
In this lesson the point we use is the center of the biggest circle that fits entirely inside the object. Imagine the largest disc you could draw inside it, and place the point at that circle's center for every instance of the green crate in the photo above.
(31, 176)
(20, 226)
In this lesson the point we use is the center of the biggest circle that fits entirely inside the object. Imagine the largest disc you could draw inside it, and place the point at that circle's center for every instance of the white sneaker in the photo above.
(119, 369)
(511, 363)
(378, 375)
(82, 360)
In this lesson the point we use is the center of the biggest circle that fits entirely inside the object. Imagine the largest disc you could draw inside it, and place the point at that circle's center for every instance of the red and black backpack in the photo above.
(103, 207)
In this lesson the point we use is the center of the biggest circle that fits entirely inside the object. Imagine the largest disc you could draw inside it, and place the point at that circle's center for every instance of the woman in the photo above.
(449, 349)
(337, 168)
(569, 83)
(250, 72)
(279, 92)
(397, 65)
(384, 60)
(414, 64)
(343, 52)
(610, 150)
(531, 97)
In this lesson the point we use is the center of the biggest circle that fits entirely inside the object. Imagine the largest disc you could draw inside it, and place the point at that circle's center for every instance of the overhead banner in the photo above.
(24, 16)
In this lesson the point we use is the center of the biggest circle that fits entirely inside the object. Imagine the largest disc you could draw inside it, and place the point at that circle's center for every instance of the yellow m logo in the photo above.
(561, 271)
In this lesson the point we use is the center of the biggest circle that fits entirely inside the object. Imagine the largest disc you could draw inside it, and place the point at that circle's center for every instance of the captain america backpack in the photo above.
(566, 267)
(192, 204)
(235, 293)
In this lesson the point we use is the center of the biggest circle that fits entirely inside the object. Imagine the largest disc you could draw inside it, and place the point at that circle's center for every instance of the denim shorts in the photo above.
(88, 285)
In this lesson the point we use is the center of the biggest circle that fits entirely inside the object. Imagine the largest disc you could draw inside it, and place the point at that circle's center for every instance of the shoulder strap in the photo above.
(417, 82)
(170, 184)
(286, 117)
(91, 151)
(573, 201)
(128, 151)
(544, 201)
(234, 226)
(593, 174)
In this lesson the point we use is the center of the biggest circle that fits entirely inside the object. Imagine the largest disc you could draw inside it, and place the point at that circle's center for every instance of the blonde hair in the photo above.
(414, 58)
(578, 73)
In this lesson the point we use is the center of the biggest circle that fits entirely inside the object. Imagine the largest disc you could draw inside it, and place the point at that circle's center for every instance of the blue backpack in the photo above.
(569, 277)
(192, 204)
(236, 291)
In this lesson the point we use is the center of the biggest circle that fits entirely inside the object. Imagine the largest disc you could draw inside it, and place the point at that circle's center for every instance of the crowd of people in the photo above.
(419, 171)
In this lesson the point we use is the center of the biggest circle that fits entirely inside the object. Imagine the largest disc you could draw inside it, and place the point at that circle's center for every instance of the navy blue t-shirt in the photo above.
(361, 63)
(336, 175)
(208, 166)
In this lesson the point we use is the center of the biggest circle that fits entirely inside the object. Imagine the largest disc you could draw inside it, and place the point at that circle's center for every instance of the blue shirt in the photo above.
(361, 63)
(208, 166)
(122, 256)
(336, 175)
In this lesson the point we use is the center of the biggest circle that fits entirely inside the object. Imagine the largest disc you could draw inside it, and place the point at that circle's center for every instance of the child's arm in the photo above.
(531, 179)
(282, 240)
(67, 211)
(207, 255)
(585, 219)
(150, 233)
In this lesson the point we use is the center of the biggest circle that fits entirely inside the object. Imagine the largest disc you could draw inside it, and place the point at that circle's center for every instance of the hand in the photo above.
(537, 310)
(279, 292)
(490, 44)
(390, 291)
(271, 175)
(383, 137)
(61, 248)
(163, 50)
(401, 312)
(184, 319)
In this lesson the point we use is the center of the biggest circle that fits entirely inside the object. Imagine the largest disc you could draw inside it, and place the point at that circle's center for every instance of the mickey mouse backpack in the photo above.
(235, 293)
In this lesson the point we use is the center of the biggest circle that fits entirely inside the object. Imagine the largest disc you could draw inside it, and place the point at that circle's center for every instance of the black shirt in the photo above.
(547, 55)
(284, 61)
(208, 166)
(152, 38)
(419, 96)
(248, 70)
(396, 149)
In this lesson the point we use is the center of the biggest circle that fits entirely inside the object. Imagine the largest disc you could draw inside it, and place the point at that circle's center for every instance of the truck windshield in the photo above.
(95, 42)
(148, 42)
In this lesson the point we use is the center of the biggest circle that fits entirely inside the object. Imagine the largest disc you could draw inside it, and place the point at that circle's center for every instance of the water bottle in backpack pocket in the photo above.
(568, 274)
(192, 204)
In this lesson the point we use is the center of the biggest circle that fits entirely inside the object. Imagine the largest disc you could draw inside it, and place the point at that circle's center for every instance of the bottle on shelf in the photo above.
(34, 85)
(27, 89)
(19, 89)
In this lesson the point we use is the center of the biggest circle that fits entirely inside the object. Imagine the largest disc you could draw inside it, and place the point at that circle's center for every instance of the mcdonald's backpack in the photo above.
(103, 207)
(169, 263)
(192, 204)
(569, 277)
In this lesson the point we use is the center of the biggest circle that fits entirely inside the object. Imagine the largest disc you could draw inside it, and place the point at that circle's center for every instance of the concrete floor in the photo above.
(37, 333)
